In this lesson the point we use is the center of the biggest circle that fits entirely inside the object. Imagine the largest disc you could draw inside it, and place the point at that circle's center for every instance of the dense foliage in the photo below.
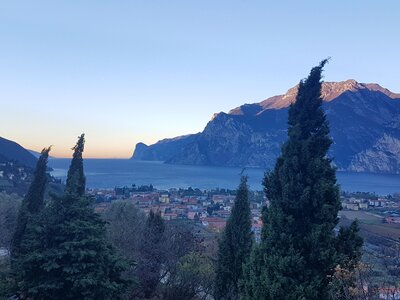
(298, 250)
(32, 203)
(76, 181)
(65, 254)
(152, 254)
(235, 245)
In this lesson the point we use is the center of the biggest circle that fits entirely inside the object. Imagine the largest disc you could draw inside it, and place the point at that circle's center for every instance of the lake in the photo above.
(109, 173)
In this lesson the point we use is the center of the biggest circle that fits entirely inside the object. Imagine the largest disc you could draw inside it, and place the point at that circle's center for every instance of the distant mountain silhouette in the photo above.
(11, 151)
(364, 121)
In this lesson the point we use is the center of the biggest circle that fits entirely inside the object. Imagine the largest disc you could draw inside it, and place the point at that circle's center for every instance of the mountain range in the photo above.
(364, 121)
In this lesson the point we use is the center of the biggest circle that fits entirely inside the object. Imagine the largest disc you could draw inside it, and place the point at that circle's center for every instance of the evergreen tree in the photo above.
(76, 180)
(152, 255)
(32, 203)
(235, 246)
(68, 256)
(298, 239)
(349, 246)
(349, 250)
(252, 284)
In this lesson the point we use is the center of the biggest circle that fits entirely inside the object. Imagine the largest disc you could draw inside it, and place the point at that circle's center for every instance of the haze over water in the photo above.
(109, 173)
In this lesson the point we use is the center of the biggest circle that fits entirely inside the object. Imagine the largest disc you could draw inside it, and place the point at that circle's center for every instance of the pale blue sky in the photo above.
(130, 71)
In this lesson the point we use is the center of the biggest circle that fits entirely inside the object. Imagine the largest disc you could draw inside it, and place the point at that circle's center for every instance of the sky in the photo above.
(132, 71)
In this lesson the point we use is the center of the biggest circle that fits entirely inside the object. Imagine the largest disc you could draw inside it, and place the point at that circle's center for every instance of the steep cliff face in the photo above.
(383, 156)
(364, 121)
(163, 149)
(231, 141)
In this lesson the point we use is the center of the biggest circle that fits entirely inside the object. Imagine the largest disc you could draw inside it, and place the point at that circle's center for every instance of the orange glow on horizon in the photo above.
(91, 153)
(97, 145)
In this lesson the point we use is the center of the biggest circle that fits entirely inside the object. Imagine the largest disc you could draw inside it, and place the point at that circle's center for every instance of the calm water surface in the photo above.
(109, 173)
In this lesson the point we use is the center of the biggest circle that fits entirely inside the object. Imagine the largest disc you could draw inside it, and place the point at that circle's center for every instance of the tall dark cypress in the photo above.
(235, 246)
(298, 238)
(68, 256)
(32, 203)
(76, 180)
(252, 285)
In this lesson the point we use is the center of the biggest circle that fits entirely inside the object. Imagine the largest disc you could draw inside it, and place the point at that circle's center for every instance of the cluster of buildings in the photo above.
(210, 208)
(14, 178)
(388, 207)
(355, 203)
(10, 171)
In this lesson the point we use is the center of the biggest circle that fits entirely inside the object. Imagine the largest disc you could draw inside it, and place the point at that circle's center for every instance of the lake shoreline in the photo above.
(111, 173)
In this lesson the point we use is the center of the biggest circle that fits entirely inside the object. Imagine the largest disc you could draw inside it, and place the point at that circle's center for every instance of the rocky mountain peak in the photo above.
(330, 91)
(377, 87)
(364, 120)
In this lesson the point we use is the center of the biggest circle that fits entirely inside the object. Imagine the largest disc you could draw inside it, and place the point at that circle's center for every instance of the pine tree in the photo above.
(298, 238)
(235, 246)
(151, 255)
(68, 256)
(32, 203)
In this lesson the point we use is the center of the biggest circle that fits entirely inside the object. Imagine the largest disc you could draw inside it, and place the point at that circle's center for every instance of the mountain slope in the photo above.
(163, 149)
(364, 121)
(11, 151)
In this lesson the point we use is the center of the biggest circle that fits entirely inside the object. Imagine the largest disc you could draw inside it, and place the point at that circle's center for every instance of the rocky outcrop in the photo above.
(229, 141)
(383, 156)
(162, 150)
(364, 121)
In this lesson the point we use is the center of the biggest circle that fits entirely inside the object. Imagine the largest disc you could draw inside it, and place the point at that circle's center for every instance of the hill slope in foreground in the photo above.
(11, 151)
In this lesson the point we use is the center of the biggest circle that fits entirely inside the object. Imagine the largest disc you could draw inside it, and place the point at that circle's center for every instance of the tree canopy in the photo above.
(298, 250)
(32, 203)
(235, 245)
(66, 254)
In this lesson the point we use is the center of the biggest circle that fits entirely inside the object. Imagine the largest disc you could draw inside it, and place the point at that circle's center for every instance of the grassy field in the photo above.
(391, 231)
(381, 245)
(363, 217)
(371, 224)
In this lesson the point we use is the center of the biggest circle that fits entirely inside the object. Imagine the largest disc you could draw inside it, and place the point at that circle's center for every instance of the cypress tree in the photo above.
(235, 245)
(252, 285)
(298, 239)
(76, 180)
(71, 258)
(32, 203)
